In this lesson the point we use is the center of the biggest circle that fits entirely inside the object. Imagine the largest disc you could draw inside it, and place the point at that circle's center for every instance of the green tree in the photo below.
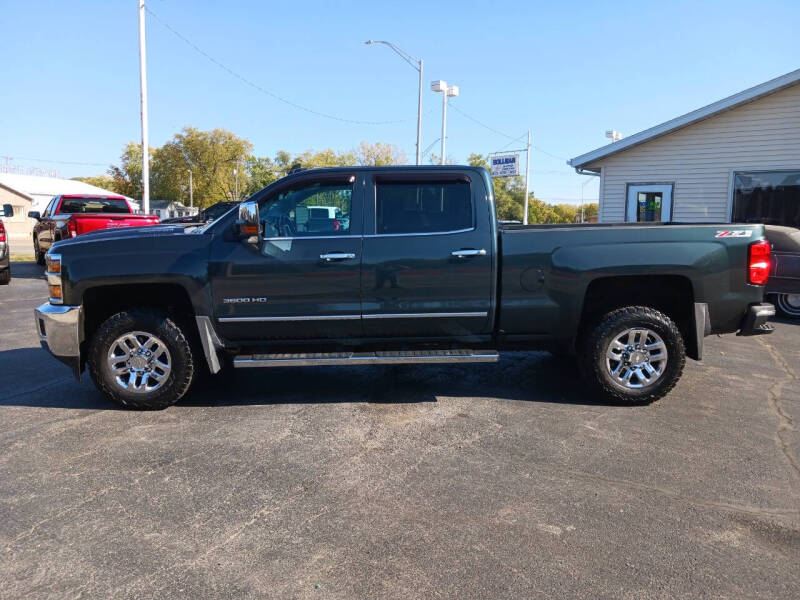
(213, 156)
(105, 182)
(127, 175)
(380, 154)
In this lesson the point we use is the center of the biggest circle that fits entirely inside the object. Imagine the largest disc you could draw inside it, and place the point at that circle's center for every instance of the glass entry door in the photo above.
(649, 203)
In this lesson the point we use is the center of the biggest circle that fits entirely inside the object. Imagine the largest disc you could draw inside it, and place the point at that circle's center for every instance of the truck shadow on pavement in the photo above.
(26, 270)
(31, 377)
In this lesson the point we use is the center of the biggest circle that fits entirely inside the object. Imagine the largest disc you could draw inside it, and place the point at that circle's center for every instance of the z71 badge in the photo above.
(735, 233)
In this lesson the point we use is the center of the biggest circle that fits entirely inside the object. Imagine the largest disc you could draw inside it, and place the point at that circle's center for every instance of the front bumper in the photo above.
(59, 329)
(755, 319)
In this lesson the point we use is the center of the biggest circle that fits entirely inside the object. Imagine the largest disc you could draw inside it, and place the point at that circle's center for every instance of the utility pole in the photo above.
(236, 181)
(448, 91)
(191, 198)
(143, 88)
(527, 176)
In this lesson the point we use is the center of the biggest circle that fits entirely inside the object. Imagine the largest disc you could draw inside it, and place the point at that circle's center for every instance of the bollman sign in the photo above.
(505, 166)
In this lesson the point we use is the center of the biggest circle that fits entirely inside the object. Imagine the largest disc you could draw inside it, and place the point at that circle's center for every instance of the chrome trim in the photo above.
(376, 235)
(61, 328)
(53, 278)
(290, 318)
(468, 252)
(337, 256)
(312, 237)
(365, 358)
(426, 315)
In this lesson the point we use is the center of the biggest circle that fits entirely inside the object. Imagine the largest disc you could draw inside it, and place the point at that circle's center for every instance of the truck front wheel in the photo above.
(633, 355)
(141, 359)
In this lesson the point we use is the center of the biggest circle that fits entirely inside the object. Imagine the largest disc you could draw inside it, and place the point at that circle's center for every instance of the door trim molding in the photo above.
(483, 314)
(449, 315)
(290, 318)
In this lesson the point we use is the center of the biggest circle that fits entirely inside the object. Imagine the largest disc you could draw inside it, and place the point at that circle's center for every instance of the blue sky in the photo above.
(568, 71)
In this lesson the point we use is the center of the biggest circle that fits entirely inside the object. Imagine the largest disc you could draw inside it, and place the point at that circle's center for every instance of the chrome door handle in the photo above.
(468, 252)
(337, 256)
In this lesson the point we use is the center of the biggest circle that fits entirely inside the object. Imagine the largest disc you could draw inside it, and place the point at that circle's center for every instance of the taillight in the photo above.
(759, 262)
(2, 232)
(73, 228)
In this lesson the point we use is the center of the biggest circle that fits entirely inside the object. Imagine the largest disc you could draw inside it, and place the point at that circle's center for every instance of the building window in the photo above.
(770, 197)
(19, 214)
(649, 202)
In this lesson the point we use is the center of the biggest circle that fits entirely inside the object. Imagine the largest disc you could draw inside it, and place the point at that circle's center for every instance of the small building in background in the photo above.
(165, 209)
(737, 160)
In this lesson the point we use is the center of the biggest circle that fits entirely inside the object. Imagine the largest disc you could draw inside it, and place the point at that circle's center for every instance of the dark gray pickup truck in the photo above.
(384, 265)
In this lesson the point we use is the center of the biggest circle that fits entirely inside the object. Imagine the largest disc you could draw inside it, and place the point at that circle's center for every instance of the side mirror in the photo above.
(35, 214)
(8, 210)
(247, 223)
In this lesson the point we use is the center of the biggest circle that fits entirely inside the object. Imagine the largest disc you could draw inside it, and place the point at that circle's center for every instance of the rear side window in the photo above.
(93, 205)
(428, 207)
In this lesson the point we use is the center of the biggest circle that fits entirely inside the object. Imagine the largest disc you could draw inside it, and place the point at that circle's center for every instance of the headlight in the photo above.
(54, 278)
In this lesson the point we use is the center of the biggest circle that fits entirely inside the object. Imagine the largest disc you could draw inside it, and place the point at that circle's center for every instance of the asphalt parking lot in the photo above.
(475, 481)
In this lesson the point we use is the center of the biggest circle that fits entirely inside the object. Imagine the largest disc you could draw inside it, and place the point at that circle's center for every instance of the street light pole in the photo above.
(527, 177)
(416, 63)
(447, 92)
(143, 90)
(191, 198)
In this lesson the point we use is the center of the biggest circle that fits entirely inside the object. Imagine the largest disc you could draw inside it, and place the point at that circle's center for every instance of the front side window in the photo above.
(308, 210)
(772, 198)
(49, 208)
(433, 207)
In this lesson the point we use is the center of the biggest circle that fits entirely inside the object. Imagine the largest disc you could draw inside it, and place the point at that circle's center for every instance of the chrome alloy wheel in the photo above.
(636, 358)
(139, 362)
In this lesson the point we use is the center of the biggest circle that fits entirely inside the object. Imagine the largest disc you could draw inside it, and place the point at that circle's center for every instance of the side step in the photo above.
(365, 358)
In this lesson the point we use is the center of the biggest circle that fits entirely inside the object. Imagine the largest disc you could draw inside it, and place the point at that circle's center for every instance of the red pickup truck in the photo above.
(70, 215)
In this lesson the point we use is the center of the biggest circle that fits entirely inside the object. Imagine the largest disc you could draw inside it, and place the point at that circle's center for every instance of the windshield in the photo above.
(94, 205)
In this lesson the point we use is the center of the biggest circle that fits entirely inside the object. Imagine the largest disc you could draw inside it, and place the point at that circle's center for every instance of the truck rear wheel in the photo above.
(141, 359)
(633, 355)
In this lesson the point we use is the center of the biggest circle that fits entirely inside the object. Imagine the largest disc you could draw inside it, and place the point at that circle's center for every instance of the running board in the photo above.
(365, 358)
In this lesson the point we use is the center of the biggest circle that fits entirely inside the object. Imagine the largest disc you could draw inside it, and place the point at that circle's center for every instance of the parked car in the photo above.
(784, 282)
(206, 215)
(422, 273)
(5, 250)
(70, 215)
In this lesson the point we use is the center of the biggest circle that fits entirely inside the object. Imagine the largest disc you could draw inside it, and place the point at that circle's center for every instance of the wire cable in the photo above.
(259, 88)
(56, 162)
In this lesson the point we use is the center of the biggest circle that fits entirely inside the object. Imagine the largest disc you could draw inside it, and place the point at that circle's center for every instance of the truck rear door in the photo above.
(427, 268)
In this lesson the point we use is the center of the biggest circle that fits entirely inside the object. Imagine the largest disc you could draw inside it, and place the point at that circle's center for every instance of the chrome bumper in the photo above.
(59, 329)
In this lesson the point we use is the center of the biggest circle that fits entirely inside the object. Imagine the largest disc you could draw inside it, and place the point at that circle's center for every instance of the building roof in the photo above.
(748, 95)
(32, 185)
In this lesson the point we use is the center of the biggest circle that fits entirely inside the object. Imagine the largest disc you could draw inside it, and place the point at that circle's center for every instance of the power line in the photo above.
(505, 135)
(255, 86)
(57, 162)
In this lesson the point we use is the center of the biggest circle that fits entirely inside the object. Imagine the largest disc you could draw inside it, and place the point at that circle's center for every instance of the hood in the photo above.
(124, 233)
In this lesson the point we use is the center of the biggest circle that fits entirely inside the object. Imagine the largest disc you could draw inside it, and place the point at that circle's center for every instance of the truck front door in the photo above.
(427, 269)
(302, 281)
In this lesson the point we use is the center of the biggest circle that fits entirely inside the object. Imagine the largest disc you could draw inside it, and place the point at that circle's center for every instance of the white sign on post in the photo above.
(505, 166)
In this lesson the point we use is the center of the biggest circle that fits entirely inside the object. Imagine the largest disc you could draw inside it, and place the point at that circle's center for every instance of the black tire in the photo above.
(5, 276)
(156, 323)
(787, 305)
(596, 370)
(37, 252)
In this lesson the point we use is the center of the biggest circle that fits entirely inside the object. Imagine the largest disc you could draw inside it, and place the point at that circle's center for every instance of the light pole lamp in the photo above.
(416, 63)
(447, 92)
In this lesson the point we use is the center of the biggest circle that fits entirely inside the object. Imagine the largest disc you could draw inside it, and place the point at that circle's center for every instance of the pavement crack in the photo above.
(785, 422)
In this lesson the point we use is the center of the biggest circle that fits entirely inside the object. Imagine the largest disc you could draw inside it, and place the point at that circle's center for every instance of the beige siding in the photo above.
(18, 227)
(699, 159)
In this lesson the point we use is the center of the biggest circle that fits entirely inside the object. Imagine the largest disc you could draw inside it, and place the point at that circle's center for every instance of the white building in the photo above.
(28, 192)
(735, 160)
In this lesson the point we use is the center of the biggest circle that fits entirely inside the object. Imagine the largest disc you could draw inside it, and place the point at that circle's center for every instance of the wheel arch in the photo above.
(672, 295)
